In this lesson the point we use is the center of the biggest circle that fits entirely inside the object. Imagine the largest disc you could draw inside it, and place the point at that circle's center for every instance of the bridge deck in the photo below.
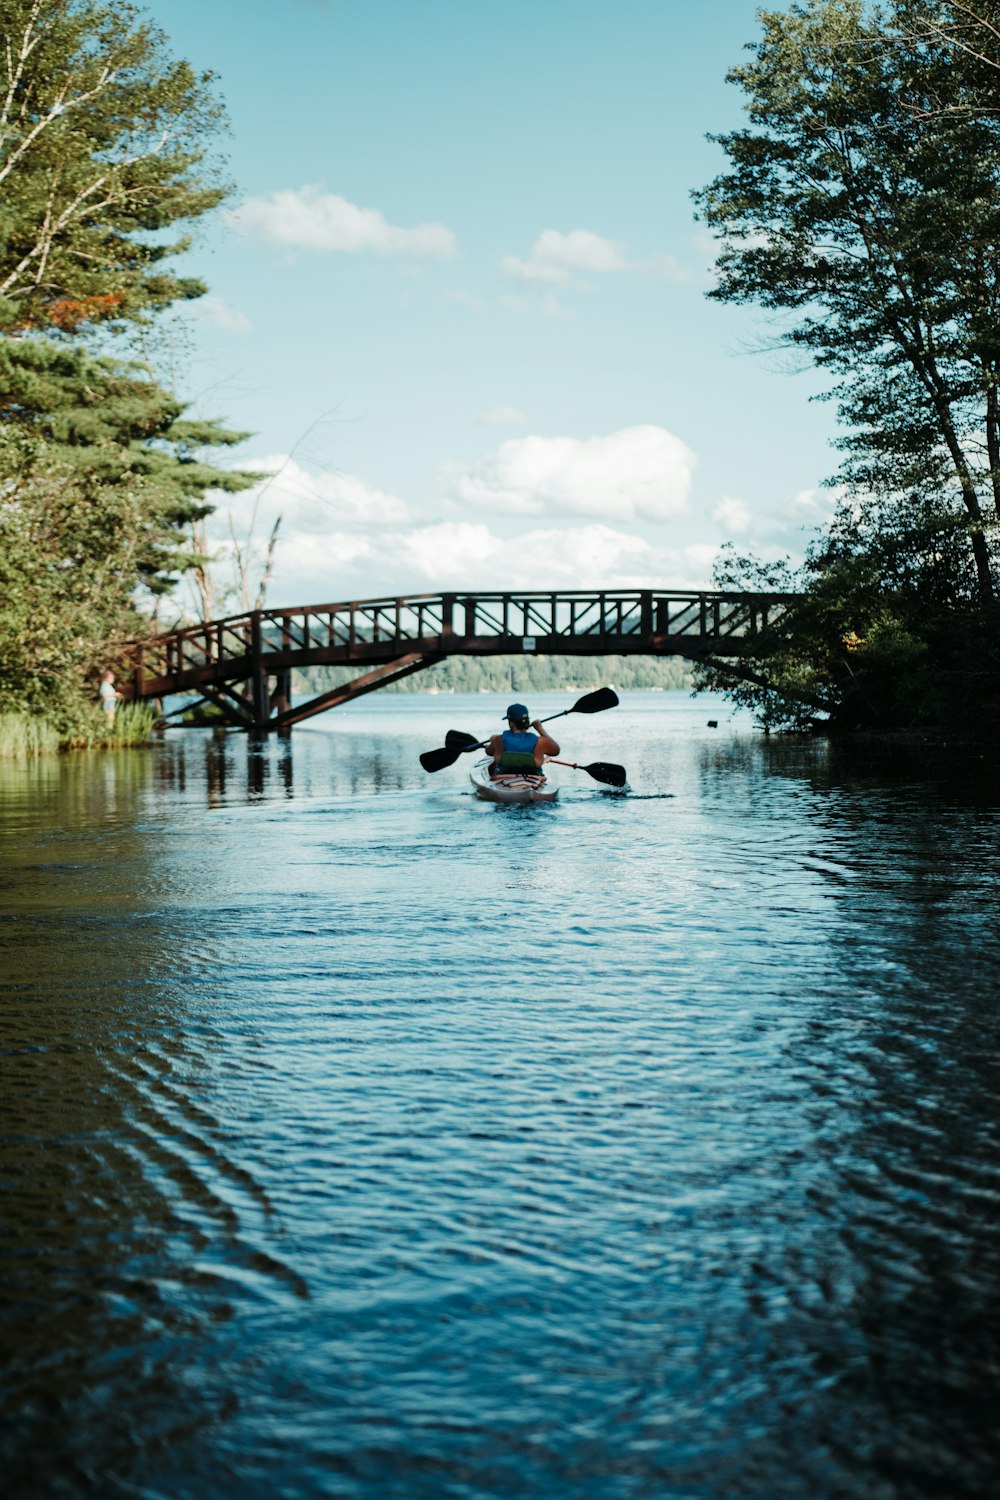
(392, 637)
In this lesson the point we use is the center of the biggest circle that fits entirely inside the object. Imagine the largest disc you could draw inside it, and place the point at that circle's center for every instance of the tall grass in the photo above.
(131, 725)
(25, 735)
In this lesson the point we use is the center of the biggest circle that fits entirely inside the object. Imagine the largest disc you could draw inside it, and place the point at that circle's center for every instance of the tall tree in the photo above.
(969, 27)
(105, 160)
(862, 204)
(104, 145)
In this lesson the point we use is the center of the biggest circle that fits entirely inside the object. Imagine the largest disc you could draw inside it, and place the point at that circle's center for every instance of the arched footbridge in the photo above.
(243, 664)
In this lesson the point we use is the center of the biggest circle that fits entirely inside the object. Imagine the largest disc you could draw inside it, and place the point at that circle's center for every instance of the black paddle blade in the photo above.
(603, 770)
(457, 739)
(595, 702)
(436, 760)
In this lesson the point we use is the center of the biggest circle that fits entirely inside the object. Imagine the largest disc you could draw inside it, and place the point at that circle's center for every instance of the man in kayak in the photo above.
(517, 748)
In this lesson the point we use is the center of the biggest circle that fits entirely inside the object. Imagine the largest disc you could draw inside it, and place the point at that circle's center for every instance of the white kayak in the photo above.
(514, 786)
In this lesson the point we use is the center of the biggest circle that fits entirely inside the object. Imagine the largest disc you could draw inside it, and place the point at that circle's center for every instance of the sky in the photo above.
(459, 299)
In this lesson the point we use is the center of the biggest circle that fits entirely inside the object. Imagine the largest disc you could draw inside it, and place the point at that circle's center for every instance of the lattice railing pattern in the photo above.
(378, 630)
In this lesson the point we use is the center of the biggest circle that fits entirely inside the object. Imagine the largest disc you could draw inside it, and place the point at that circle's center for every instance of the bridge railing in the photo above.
(619, 613)
(596, 621)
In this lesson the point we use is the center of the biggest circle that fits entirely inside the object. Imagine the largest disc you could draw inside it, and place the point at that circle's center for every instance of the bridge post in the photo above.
(139, 676)
(282, 700)
(258, 676)
(447, 619)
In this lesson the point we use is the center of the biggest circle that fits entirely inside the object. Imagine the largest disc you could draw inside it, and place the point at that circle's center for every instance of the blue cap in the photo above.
(517, 713)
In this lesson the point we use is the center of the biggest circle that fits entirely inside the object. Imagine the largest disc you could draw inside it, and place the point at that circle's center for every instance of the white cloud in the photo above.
(344, 538)
(313, 505)
(504, 416)
(555, 257)
(639, 472)
(471, 554)
(580, 250)
(668, 268)
(214, 310)
(317, 220)
(527, 270)
(732, 515)
(814, 507)
(466, 550)
(551, 307)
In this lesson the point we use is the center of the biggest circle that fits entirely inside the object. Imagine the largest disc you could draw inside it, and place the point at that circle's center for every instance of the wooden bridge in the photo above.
(231, 662)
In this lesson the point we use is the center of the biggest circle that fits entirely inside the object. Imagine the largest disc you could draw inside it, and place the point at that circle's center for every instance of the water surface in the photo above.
(362, 1139)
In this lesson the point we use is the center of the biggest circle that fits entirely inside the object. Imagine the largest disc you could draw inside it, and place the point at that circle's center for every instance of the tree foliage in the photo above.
(104, 144)
(861, 208)
(860, 649)
(863, 204)
(105, 159)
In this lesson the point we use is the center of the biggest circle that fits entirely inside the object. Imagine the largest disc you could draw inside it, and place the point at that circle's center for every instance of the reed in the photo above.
(23, 736)
(132, 724)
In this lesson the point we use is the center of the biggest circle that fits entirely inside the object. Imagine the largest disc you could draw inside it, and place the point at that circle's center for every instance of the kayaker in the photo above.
(517, 748)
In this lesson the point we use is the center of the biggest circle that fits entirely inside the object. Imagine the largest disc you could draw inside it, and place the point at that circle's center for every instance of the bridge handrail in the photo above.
(241, 626)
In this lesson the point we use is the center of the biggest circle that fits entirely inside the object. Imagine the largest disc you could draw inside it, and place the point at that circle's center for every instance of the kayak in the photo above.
(515, 786)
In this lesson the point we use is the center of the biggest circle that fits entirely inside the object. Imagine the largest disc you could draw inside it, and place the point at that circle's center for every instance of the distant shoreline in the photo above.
(522, 674)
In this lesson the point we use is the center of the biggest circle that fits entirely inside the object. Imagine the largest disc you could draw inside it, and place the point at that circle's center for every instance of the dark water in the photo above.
(360, 1139)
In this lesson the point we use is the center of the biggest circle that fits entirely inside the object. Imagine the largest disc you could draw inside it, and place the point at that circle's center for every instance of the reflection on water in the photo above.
(359, 1138)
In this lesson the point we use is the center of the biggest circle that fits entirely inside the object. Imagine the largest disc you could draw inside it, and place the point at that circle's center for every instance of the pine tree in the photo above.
(105, 147)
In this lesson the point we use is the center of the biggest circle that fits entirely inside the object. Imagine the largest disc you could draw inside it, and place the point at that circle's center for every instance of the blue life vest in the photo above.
(518, 750)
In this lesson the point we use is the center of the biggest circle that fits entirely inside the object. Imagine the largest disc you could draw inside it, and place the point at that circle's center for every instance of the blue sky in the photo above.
(459, 297)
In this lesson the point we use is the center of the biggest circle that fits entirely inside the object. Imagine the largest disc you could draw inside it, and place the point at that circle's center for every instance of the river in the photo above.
(362, 1139)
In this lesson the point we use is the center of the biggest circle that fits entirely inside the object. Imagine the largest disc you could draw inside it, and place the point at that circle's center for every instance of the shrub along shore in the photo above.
(24, 735)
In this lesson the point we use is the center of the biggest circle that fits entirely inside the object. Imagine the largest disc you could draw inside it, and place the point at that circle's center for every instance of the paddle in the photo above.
(601, 770)
(456, 742)
(457, 739)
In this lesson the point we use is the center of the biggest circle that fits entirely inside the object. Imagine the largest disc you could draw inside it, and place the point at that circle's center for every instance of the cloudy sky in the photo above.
(459, 297)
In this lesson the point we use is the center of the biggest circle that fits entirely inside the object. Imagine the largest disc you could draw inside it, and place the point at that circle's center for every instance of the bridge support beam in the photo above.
(403, 666)
(235, 709)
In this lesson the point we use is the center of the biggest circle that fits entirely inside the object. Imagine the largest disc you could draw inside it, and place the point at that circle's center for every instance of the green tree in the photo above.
(103, 423)
(104, 146)
(862, 205)
(105, 150)
(861, 209)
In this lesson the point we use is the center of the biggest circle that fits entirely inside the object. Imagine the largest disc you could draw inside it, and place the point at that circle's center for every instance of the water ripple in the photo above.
(358, 1140)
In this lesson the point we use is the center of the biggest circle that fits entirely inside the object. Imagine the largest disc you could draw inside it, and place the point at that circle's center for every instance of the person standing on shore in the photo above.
(109, 697)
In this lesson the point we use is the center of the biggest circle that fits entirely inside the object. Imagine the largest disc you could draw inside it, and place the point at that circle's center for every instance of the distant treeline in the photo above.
(520, 674)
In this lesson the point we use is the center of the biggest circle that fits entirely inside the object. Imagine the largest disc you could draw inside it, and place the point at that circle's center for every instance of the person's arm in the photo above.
(495, 747)
(545, 744)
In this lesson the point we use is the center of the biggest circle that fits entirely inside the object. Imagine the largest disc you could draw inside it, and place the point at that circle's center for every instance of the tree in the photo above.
(102, 423)
(863, 205)
(104, 148)
(972, 30)
(862, 647)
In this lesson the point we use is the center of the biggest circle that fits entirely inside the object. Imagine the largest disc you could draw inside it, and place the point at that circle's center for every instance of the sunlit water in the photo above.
(363, 1139)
